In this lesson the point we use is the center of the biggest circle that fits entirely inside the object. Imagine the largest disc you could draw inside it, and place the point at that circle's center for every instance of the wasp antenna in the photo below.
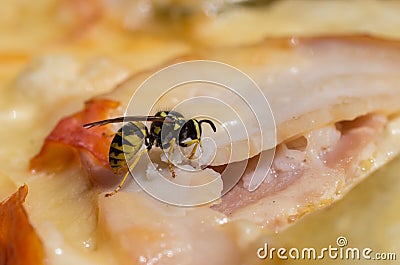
(210, 123)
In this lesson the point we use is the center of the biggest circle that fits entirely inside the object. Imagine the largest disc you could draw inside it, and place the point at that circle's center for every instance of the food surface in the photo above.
(316, 162)
(99, 52)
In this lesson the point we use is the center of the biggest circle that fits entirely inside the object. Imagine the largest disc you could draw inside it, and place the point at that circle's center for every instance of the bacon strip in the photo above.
(69, 136)
(19, 243)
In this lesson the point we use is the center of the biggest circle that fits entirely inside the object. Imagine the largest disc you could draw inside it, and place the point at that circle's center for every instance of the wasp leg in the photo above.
(170, 151)
(131, 167)
(196, 143)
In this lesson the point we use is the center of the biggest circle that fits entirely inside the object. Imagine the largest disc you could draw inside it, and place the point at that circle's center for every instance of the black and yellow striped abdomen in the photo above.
(126, 143)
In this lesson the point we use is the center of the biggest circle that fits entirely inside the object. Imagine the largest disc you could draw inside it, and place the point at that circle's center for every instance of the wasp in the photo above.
(167, 129)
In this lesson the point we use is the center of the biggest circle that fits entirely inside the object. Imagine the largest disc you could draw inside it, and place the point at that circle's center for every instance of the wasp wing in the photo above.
(127, 119)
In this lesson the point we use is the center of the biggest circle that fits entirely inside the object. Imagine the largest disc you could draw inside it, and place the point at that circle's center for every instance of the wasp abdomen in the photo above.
(126, 143)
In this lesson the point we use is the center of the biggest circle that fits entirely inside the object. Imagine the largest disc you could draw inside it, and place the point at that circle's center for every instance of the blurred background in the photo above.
(138, 32)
